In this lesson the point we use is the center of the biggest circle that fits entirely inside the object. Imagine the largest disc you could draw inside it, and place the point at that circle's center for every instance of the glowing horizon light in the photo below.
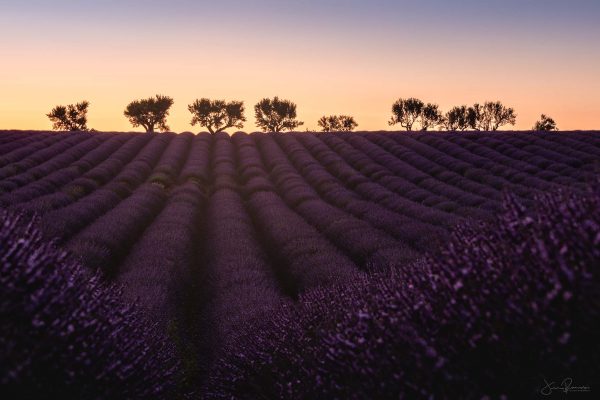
(329, 57)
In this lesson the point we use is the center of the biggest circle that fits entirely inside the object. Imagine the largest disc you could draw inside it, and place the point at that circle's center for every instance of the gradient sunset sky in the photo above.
(329, 56)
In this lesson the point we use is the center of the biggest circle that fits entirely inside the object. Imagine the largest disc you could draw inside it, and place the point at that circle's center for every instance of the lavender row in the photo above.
(376, 172)
(403, 148)
(10, 140)
(7, 136)
(197, 166)
(522, 171)
(483, 157)
(409, 223)
(171, 162)
(338, 172)
(518, 151)
(104, 243)
(498, 179)
(567, 165)
(108, 240)
(553, 167)
(417, 186)
(579, 149)
(443, 184)
(65, 334)
(85, 183)
(514, 300)
(65, 222)
(163, 261)
(24, 146)
(68, 153)
(239, 279)
(37, 153)
(585, 142)
(90, 155)
(367, 246)
(303, 258)
(550, 156)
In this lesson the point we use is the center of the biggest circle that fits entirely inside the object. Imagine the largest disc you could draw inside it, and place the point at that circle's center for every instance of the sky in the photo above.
(328, 56)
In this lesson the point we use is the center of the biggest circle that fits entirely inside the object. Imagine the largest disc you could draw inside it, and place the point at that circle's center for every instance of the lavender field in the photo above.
(298, 265)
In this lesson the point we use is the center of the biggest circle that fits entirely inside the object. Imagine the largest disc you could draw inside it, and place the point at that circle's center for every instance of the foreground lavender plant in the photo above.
(503, 309)
(66, 335)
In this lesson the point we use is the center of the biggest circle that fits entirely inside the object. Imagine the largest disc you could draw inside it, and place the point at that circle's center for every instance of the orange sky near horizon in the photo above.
(323, 70)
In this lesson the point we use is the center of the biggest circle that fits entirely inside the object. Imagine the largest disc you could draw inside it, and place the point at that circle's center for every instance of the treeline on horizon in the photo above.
(278, 115)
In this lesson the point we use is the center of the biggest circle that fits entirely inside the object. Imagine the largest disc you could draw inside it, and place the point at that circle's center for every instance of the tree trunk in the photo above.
(150, 129)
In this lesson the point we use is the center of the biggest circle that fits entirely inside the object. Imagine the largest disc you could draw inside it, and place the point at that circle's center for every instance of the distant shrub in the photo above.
(337, 123)
(431, 116)
(490, 116)
(499, 309)
(69, 118)
(66, 335)
(149, 113)
(275, 115)
(407, 112)
(217, 115)
(545, 124)
(457, 119)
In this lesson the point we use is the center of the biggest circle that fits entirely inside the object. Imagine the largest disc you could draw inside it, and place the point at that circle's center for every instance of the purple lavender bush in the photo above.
(66, 335)
(504, 308)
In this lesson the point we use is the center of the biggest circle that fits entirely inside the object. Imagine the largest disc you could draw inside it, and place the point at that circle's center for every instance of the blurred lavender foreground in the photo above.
(66, 335)
(501, 309)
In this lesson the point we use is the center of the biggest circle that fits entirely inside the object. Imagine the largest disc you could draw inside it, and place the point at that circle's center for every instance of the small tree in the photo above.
(276, 115)
(545, 124)
(406, 112)
(217, 115)
(70, 118)
(347, 123)
(491, 116)
(457, 119)
(337, 123)
(328, 124)
(499, 115)
(477, 118)
(431, 116)
(150, 112)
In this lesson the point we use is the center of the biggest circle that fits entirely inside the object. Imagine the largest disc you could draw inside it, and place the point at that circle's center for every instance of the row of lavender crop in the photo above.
(400, 190)
(236, 283)
(397, 184)
(59, 171)
(513, 300)
(501, 170)
(209, 232)
(66, 334)
(329, 209)
(302, 258)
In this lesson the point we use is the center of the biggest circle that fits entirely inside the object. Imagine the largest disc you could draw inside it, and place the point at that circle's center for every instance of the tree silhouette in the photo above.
(431, 116)
(499, 115)
(217, 115)
(69, 118)
(328, 124)
(406, 112)
(490, 116)
(478, 119)
(473, 115)
(149, 112)
(457, 119)
(276, 115)
(545, 124)
(337, 123)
